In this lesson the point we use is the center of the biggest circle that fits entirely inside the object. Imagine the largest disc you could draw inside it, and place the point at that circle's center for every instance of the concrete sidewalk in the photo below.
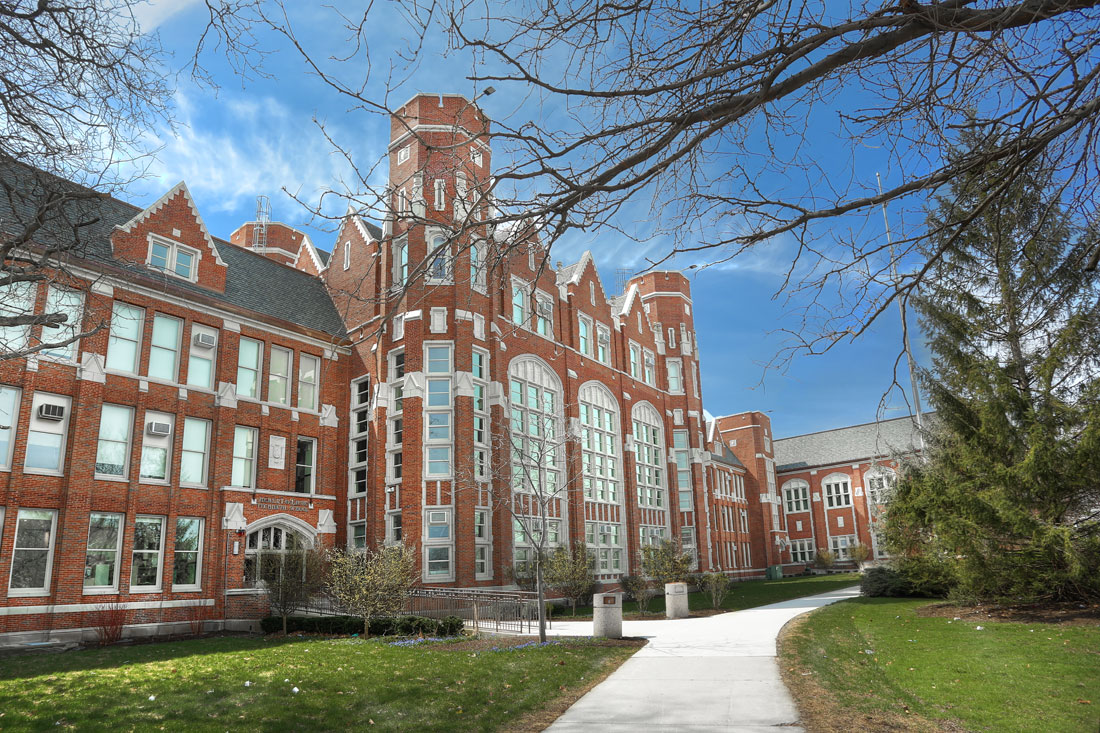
(696, 674)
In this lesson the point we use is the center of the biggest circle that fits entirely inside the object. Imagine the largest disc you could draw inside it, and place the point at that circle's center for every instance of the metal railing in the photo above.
(482, 610)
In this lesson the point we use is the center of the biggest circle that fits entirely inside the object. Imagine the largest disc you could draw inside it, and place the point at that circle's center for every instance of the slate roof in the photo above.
(726, 456)
(323, 256)
(253, 282)
(847, 445)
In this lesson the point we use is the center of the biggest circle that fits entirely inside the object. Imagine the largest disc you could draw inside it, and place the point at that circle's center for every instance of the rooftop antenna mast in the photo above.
(622, 277)
(263, 216)
(904, 323)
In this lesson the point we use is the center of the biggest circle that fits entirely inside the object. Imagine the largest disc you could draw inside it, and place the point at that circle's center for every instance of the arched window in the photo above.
(649, 452)
(796, 495)
(268, 545)
(439, 266)
(838, 490)
(599, 438)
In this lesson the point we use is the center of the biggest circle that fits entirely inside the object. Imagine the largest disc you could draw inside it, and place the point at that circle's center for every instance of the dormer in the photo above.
(272, 239)
(170, 238)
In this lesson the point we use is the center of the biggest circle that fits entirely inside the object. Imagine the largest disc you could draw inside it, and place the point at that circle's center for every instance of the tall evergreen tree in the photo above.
(1010, 490)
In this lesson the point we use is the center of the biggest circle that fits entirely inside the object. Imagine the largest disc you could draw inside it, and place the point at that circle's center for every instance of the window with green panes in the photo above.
(598, 454)
(648, 464)
(533, 412)
(682, 455)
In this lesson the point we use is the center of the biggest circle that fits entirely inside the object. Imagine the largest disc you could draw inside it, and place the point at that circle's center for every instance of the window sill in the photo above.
(187, 589)
(197, 487)
(28, 593)
(244, 591)
(41, 472)
(145, 590)
(154, 482)
(100, 591)
(115, 479)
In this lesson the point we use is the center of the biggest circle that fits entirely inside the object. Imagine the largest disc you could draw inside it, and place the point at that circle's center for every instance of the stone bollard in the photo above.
(607, 615)
(676, 600)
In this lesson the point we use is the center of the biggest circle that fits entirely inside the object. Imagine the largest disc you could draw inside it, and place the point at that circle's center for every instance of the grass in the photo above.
(747, 594)
(343, 684)
(876, 658)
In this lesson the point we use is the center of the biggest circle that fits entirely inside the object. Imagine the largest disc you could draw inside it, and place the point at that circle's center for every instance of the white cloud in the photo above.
(151, 15)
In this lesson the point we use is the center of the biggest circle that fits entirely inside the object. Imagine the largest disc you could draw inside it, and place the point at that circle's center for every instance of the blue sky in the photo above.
(260, 136)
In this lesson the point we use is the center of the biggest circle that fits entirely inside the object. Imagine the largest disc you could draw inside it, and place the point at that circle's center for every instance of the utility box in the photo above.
(607, 615)
(774, 572)
(676, 600)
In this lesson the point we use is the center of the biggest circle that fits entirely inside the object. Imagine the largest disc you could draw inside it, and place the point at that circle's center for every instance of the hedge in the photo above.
(388, 626)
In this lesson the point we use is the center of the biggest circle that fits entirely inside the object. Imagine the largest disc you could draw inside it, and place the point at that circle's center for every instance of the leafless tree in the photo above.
(81, 84)
(372, 582)
(746, 127)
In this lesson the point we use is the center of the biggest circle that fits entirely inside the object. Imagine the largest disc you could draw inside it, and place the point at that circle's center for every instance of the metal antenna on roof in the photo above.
(622, 277)
(263, 216)
(904, 323)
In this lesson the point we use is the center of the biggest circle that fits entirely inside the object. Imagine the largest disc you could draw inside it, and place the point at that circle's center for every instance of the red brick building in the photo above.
(243, 397)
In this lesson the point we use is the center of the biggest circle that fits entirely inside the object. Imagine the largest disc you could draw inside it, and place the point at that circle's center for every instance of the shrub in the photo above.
(379, 626)
(859, 554)
(825, 558)
(716, 585)
(885, 582)
(109, 621)
(929, 574)
(639, 589)
(451, 626)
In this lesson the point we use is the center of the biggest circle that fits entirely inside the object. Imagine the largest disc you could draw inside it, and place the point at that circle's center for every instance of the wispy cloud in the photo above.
(151, 15)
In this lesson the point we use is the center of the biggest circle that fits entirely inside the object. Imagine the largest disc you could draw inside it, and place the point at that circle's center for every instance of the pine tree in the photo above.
(1010, 490)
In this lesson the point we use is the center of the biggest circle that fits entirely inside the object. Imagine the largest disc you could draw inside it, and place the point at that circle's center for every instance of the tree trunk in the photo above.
(284, 624)
(366, 627)
(541, 600)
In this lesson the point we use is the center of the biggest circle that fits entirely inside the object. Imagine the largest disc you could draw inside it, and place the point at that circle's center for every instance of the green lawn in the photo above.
(876, 656)
(343, 684)
(749, 594)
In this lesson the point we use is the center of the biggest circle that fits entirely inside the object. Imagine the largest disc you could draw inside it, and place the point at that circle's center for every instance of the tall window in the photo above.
(534, 406)
(113, 452)
(635, 361)
(32, 552)
(305, 466)
(156, 446)
(599, 438)
(544, 316)
(584, 335)
(519, 304)
(248, 367)
(681, 453)
(104, 546)
(478, 266)
(797, 496)
(603, 344)
(360, 427)
(187, 557)
(196, 435)
(244, 457)
(278, 375)
(165, 347)
(648, 367)
(438, 411)
(837, 491)
(480, 372)
(148, 561)
(401, 262)
(675, 376)
(46, 436)
(439, 268)
(71, 303)
(309, 368)
(124, 343)
(16, 300)
(200, 361)
(269, 545)
(649, 455)
(9, 412)
(440, 194)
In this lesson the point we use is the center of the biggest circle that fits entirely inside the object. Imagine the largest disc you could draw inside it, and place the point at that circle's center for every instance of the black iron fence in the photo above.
(483, 610)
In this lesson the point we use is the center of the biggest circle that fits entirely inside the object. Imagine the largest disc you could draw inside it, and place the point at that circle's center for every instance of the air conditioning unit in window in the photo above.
(603, 337)
(605, 528)
(205, 340)
(51, 412)
(159, 428)
(544, 308)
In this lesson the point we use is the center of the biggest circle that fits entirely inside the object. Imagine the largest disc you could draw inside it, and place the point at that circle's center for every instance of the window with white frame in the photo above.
(187, 554)
(403, 154)
(803, 551)
(478, 264)
(481, 524)
(112, 456)
(244, 457)
(837, 491)
(9, 417)
(360, 427)
(519, 303)
(438, 565)
(649, 367)
(148, 555)
(124, 341)
(358, 536)
(475, 157)
(603, 344)
(744, 521)
(635, 361)
(746, 554)
(16, 300)
(439, 266)
(32, 552)
(675, 367)
(535, 418)
(688, 544)
(164, 348)
(482, 566)
(796, 494)
(841, 545)
(604, 543)
(71, 303)
(393, 528)
(156, 446)
(584, 335)
(401, 262)
(201, 355)
(544, 315)
(880, 486)
(438, 410)
(309, 370)
(173, 258)
(599, 438)
(196, 444)
(402, 204)
(437, 359)
(347, 255)
(438, 536)
(249, 355)
(104, 548)
(305, 466)
(681, 454)
(279, 366)
(440, 194)
(267, 547)
(480, 372)
(649, 455)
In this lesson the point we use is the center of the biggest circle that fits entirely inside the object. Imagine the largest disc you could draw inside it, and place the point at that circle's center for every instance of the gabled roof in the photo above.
(852, 444)
(253, 282)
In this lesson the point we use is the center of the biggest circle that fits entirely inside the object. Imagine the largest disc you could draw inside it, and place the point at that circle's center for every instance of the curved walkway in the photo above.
(696, 674)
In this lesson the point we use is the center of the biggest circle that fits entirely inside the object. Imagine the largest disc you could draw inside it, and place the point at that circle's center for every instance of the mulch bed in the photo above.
(1049, 614)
